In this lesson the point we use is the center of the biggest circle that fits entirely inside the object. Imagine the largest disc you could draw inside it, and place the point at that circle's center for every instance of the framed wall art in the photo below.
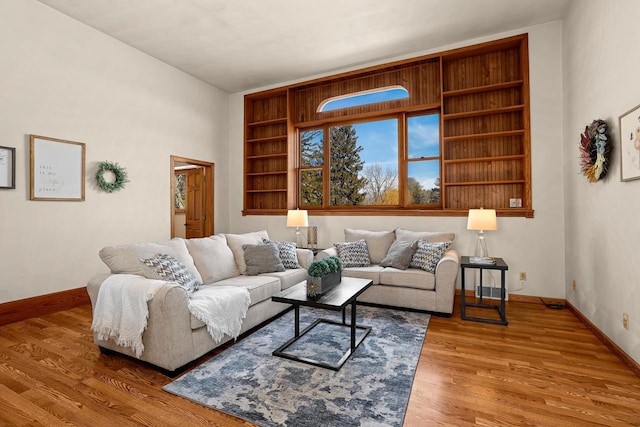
(630, 145)
(7, 167)
(57, 169)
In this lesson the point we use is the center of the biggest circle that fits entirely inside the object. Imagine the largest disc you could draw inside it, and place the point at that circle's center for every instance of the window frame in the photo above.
(402, 162)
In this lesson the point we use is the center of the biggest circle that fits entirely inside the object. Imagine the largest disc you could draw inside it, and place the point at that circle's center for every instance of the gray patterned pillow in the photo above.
(165, 267)
(400, 254)
(288, 254)
(428, 255)
(262, 258)
(353, 254)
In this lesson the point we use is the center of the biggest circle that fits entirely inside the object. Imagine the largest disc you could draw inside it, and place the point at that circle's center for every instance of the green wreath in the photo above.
(119, 172)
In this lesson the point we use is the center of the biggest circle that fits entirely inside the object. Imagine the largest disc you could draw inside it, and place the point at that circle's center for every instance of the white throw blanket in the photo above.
(221, 308)
(121, 311)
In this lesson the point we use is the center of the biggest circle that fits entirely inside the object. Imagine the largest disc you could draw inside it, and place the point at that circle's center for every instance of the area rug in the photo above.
(372, 388)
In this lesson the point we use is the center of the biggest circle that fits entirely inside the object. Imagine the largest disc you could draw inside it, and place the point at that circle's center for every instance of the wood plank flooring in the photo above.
(545, 368)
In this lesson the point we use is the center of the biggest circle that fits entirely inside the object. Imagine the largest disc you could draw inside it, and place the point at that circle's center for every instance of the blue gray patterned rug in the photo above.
(371, 389)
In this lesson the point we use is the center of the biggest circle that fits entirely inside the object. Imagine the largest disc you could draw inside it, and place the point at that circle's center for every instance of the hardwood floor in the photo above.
(545, 368)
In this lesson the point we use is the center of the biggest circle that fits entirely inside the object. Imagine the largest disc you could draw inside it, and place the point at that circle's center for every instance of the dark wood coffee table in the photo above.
(337, 299)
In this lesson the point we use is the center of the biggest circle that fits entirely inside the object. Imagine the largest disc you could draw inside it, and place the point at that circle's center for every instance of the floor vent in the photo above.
(491, 292)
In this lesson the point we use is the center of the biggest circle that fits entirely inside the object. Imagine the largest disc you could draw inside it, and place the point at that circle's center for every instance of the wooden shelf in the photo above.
(279, 121)
(503, 182)
(478, 113)
(480, 89)
(506, 133)
(483, 159)
(271, 190)
(266, 173)
(268, 139)
(267, 156)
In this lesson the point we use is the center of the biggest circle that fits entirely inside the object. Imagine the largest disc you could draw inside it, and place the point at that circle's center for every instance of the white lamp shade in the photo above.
(482, 219)
(297, 218)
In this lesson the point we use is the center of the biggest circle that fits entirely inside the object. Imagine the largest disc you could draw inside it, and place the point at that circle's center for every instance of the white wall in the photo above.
(65, 80)
(601, 64)
(535, 246)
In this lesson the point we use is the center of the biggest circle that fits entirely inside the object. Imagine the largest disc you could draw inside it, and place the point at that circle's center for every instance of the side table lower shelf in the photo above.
(500, 265)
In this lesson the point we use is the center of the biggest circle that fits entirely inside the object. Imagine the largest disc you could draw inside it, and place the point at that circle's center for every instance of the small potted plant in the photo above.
(323, 275)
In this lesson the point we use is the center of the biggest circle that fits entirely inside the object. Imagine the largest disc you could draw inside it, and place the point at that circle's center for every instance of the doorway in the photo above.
(192, 198)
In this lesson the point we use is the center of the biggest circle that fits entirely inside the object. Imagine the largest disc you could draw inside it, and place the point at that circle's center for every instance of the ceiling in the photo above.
(237, 45)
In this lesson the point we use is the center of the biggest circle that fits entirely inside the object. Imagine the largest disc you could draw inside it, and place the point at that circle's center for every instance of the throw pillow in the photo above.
(167, 268)
(428, 255)
(262, 258)
(236, 241)
(378, 242)
(287, 253)
(400, 254)
(353, 254)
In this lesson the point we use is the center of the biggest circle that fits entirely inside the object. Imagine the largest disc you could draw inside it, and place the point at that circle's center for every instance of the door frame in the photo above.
(208, 191)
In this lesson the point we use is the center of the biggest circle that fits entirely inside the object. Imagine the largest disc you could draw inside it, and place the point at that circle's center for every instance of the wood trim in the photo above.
(620, 353)
(16, 311)
(624, 357)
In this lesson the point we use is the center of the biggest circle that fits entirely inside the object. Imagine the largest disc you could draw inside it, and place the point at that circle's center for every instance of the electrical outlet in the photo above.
(523, 276)
(625, 321)
(574, 285)
(515, 203)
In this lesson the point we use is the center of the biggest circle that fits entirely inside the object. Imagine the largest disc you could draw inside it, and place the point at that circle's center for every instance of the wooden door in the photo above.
(195, 203)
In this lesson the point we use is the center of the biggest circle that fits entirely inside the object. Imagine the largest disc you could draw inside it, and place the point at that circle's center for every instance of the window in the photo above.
(363, 98)
(363, 163)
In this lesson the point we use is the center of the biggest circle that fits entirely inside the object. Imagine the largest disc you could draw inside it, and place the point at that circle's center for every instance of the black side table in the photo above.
(465, 262)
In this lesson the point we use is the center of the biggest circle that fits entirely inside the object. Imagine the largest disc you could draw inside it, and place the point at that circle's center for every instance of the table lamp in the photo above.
(481, 220)
(297, 218)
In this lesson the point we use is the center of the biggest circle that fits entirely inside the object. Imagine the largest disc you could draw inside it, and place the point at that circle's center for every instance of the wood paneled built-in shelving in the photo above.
(481, 93)
(266, 153)
(485, 133)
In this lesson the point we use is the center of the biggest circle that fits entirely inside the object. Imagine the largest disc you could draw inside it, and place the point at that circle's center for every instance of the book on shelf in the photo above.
(482, 260)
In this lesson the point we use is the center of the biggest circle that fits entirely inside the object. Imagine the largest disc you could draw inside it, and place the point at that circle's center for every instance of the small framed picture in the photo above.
(630, 145)
(7, 167)
(57, 169)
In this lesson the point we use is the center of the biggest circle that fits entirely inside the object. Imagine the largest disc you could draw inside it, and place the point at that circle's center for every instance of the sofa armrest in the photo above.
(327, 253)
(305, 257)
(446, 274)
(167, 340)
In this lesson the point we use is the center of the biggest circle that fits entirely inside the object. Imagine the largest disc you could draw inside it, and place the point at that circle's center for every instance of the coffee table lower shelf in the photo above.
(355, 342)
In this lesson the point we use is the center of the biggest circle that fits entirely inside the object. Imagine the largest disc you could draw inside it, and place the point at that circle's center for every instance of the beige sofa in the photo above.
(412, 288)
(174, 337)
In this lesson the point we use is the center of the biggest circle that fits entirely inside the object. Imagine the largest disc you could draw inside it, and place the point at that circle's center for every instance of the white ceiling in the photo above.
(238, 45)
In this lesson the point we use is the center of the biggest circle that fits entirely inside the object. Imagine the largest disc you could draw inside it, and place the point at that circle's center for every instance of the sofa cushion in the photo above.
(125, 259)
(290, 277)
(167, 268)
(235, 242)
(410, 278)
(378, 242)
(213, 258)
(429, 236)
(400, 254)
(262, 258)
(287, 253)
(428, 255)
(371, 272)
(260, 288)
(353, 254)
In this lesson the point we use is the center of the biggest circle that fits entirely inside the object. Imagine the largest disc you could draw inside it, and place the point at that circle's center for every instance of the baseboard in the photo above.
(23, 309)
(620, 353)
(624, 357)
